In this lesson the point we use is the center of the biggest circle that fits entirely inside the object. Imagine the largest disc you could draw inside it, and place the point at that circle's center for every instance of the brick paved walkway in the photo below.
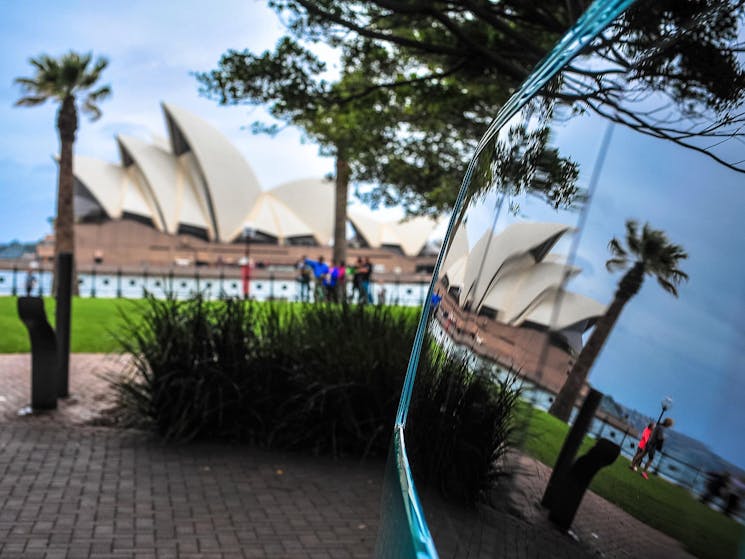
(72, 491)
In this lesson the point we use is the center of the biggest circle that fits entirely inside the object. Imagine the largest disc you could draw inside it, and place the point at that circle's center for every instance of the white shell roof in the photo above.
(174, 193)
(516, 290)
(495, 250)
(198, 178)
(572, 309)
(271, 216)
(512, 282)
(105, 181)
(232, 186)
(411, 234)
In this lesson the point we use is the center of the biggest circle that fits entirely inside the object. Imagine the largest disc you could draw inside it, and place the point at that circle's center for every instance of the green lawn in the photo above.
(657, 503)
(94, 322)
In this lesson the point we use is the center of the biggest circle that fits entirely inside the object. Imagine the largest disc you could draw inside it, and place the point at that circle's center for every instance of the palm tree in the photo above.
(650, 253)
(65, 80)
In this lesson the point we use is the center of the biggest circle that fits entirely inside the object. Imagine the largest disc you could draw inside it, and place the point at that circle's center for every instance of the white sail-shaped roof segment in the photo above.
(231, 185)
(515, 290)
(135, 203)
(310, 200)
(412, 233)
(366, 226)
(272, 217)
(573, 308)
(104, 181)
(491, 251)
(170, 185)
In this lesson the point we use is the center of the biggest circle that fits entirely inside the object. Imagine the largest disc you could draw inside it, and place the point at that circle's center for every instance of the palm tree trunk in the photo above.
(64, 225)
(340, 210)
(67, 125)
(627, 288)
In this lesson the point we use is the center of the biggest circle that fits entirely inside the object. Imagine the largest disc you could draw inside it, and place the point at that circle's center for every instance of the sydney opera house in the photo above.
(190, 201)
(503, 295)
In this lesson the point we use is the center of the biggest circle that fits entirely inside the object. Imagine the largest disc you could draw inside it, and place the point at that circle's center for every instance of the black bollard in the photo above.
(43, 353)
(62, 319)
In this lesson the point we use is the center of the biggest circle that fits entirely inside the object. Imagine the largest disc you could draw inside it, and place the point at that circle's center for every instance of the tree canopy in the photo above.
(429, 75)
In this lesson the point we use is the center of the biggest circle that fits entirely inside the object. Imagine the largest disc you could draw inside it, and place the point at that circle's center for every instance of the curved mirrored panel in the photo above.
(578, 390)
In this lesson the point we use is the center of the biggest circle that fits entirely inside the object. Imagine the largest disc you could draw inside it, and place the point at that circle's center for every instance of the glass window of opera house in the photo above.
(576, 386)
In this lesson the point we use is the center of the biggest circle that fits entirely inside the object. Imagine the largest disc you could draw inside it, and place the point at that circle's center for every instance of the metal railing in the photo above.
(264, 285)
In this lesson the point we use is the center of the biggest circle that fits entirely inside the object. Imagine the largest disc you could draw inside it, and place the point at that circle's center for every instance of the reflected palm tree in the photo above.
(648, 252)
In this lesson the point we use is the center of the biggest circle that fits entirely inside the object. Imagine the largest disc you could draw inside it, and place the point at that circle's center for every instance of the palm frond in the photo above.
(31, 101)
(98, 95)
(615, 264)
(667, 286)
(92, 110)
(616, 249)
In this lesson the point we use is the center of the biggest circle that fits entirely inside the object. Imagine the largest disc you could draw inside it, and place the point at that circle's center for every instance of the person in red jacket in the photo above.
(637, 459)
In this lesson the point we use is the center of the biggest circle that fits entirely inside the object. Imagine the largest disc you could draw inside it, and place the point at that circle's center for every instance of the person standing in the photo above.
(305, 273)
(320, 277)
(637, 459)
(358, 293)
(656, 442)
(366, 278)
(30, 282)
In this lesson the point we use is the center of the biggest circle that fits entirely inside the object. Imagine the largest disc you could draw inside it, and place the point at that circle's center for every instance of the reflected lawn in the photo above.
(671, 509)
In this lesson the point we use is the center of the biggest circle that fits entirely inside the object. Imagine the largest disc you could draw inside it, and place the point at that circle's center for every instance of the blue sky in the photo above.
(688, 348)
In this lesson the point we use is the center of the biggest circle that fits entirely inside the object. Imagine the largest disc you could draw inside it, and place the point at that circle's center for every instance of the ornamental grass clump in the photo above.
(324, 378)
(460, 425)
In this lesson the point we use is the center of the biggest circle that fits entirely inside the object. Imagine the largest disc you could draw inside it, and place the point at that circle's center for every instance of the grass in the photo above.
(93, 323)
(666, 507)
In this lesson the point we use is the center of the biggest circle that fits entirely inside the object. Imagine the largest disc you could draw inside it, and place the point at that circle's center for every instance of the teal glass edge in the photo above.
(598, 16)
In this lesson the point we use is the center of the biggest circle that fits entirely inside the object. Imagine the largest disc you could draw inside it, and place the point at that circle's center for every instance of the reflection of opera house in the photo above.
(504, 298)
(188, 200)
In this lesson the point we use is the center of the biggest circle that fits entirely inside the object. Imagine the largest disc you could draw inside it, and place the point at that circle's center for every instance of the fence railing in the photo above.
(213, 283)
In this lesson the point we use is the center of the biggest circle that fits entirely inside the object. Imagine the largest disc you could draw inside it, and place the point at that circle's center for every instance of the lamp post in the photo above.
(247, 234)
(667, 403)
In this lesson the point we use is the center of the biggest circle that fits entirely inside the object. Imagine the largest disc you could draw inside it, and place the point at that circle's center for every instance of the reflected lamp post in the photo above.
(247, 235)
(667, 403)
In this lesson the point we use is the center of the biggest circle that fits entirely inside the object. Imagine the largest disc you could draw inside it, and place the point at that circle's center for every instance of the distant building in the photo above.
(191, 198)
(504, 297)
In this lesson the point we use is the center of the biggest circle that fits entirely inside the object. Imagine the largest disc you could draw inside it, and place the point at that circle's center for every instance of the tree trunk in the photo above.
(340, 210)
(627, 288)
(64, 224)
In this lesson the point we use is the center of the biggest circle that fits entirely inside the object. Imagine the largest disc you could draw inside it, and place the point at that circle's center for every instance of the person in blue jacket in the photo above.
(320, 276)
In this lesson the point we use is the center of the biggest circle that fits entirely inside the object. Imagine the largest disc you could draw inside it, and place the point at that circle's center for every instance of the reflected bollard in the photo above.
(571, 446)
(14, 288)
(43, 353)
(568, 495)
(119, 283)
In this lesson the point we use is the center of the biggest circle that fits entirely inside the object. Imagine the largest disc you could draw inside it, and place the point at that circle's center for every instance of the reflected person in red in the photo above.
(637, 459)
